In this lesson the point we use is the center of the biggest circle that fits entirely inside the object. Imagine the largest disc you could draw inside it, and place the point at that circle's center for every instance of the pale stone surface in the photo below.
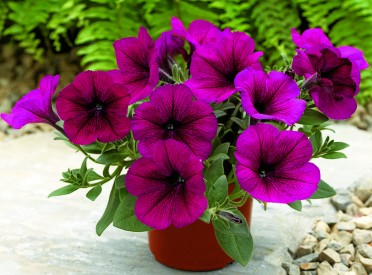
(57, 235)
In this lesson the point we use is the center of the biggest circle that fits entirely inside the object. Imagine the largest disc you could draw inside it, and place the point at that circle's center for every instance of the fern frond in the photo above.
(348, 23)
(273, 21)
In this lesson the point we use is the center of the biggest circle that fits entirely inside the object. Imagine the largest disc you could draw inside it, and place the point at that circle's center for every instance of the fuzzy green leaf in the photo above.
(324, 191)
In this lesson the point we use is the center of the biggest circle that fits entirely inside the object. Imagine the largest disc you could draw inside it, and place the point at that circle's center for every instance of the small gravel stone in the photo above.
(364, 222)
(305, 249)
(349, 249)
(340, 268)
(313, 257)
(321, 245)
(357, 201)
(330, 256)
(365, 250)
(342, 217)
(291, 269)
(310, 239)
(368, 202)
(309, 266)
(346, 259)
(335, 245)
(341, 200)
(359, 269)
(365, 211)
(344, 237)
(325, 269)
(363, 188)
(346, 226)
(367, 263)
(361, 236)
(352, 209)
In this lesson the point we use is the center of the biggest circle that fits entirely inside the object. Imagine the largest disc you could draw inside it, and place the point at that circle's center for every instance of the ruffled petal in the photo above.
(310, 38)
(333, 106)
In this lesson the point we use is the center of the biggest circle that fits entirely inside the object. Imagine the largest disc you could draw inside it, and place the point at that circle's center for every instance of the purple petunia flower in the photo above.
(35, 106)
(200, 32)
(274, 166)
(172, 114)
(214, 66)
(316, 37)
(332, 80)
(169, 186)
(167, 47)
(94, 108)
(272, 96)
(137, 61)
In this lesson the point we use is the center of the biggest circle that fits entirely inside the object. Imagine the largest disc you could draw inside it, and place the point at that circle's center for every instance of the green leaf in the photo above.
(218, 191)
(222, 149)
(235, 240)
(242, 124)
(206, 217)
(110, 157)
(296, 205)
(334, 155)
(324, 191)
(109, 213)
(213, 172)
(68, 189)
(94, 192)
(218, 156)
(219, 113)
(94, 148)
(312, 117)
(338, 146)
(120, 182)
(316, 141)
(124, 217)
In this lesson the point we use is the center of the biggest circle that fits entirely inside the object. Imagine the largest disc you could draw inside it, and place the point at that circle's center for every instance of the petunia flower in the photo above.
(272, 96)
(173, 114)
(315, 37)
(214, 66)
(35, 106)
(169, 186)
(200, 32)
(137, 61)
(167, 47)
(274, 166)
(93, 107)
(332, 80)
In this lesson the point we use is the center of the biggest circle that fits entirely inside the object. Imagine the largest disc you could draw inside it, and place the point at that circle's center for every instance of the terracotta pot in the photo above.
(194, 247)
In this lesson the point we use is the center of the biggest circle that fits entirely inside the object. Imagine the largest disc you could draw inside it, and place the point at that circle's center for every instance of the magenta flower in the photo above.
(172, 114)
(214, 66)
(169, 186)
(274, 166)
(332, 80)
(35, 106)
(167, 47)
(94, 108)
(272, 96)
(137, 61)
(200, 32)
(316, 37)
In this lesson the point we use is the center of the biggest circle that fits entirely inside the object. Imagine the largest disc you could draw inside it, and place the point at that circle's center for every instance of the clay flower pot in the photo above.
(194, 247)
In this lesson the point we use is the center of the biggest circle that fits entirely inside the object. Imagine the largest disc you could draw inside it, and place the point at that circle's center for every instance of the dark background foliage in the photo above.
(88, 28)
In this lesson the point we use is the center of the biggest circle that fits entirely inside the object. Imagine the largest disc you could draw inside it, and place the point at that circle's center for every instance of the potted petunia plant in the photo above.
(190, 128)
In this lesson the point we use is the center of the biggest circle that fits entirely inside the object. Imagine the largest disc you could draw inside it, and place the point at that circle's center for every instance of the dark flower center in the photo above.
(230, 76)
(260, 107)
(265, 170)
(176, 179)
(172, 124)
(99, 107)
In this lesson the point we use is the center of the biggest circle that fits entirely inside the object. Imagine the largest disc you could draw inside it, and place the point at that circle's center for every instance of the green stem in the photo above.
(86, 154)
(113, 175)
